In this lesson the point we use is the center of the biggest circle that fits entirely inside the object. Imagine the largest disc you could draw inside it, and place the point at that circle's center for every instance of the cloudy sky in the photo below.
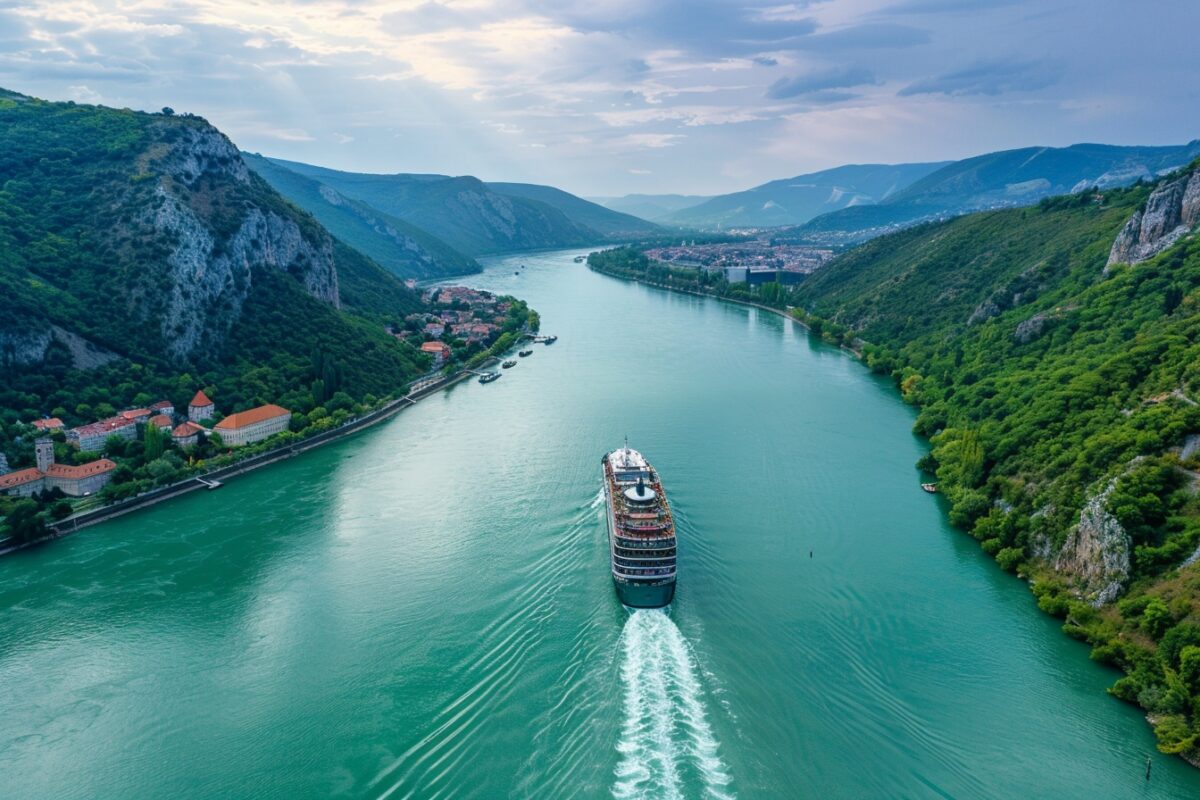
(607, 97)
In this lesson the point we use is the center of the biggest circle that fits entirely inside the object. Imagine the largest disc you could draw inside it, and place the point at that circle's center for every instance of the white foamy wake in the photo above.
(666, 742)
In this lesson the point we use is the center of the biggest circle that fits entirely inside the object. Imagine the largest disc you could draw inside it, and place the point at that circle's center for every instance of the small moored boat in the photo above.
(550, 339)
(929, 487)
(510, 363)
(524, 353)
(488, 377)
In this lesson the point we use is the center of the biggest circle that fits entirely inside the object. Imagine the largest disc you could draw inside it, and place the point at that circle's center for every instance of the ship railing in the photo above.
(630, 572)
(646, 543)
(644, 562)
(645, 552)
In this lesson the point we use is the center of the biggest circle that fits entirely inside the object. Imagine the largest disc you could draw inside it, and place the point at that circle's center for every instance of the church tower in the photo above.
(44, 453)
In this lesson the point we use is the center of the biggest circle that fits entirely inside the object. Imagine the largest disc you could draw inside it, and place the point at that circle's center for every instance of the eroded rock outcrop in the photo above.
(1096, 552)
(1171, 211)
(210, 274)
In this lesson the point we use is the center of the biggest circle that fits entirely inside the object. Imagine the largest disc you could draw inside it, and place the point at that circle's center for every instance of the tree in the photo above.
(1156, 618)
(155, 442)
(25, 524)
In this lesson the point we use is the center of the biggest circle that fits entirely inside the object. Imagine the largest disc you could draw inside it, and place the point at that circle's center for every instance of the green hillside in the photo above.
(402, 248)
(463, 212)
(610, 223)
(1060, 398)
(139, 255)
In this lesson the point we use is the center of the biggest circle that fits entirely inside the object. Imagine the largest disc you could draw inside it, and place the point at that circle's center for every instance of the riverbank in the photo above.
(206, 480)
(786, 312)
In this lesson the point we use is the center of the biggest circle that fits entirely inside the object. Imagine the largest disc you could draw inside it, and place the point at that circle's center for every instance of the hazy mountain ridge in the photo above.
(1008, 178)
(652, 207)
(403, 248)
(463, 211)
(792, 201)
(606, 221)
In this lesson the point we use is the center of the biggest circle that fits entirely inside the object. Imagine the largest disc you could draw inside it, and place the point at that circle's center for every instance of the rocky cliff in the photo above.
(1171, 211)
(1096, 552)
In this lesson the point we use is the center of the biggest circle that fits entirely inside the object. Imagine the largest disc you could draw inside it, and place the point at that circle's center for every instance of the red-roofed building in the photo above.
(137, 414)
(254, 425)
(162, 422)
(75, 481)
(48, 425)
(439, 350)
(187, 434)
(163, 407)
(92, 437)
(201, 408)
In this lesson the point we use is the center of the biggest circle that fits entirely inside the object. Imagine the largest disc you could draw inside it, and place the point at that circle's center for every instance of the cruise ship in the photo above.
(641, 531)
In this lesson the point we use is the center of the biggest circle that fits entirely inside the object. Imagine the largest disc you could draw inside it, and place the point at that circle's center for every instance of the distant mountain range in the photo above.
(1009, 178)
(862, 199)
(792, 201)
(468, 215)
(653, 207)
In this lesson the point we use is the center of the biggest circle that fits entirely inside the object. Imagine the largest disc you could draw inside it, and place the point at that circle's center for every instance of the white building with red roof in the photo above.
(91, 437)
(187, 434)
(75, 481)
(48, 425)
(201, 408)
(253, 425)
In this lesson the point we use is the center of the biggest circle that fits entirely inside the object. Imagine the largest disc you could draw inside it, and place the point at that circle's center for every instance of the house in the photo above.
(201, 408)
(75, 481)
(187, 434)
(162, 422)
(137, 414)
(163, 407)
(91, 437)
(435, 329)
(48, 425)
(254, 425)
(439, 350)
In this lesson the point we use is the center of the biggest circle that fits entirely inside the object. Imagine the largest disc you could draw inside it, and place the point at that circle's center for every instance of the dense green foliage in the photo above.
(605, 221)
(402, 248)
(1043, 380)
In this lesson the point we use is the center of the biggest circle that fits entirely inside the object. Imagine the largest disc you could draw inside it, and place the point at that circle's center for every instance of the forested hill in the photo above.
(138, 248)
(461, 211)
(404, 249)
(1054, 353)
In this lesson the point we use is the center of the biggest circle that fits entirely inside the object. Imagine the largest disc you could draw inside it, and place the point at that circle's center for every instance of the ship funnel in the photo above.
(641, 487)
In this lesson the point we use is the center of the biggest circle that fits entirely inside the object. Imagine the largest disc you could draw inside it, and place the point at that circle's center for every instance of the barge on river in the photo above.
(641, 531)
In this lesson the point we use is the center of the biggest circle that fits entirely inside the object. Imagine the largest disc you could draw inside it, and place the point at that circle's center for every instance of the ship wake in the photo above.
(666, 741)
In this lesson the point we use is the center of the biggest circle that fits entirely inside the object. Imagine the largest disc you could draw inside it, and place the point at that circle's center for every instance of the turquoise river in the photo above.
(424, 610)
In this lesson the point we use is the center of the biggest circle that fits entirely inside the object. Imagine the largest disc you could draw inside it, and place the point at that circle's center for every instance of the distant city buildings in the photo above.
(759, 254)
(254, 425)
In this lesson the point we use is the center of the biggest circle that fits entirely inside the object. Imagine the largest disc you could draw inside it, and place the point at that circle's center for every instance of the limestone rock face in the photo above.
(1170, 212)
(1096, 552)
(209, 268)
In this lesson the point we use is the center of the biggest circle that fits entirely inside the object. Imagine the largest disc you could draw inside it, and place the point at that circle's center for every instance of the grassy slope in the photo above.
(1024, 432)
(416, 254)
